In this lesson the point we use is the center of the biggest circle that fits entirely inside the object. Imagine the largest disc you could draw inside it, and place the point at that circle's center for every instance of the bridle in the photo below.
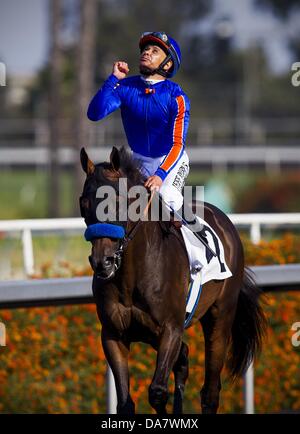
(129, 235)
(124, 244)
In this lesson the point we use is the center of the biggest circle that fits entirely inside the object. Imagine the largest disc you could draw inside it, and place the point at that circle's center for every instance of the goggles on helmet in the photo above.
(158, 35)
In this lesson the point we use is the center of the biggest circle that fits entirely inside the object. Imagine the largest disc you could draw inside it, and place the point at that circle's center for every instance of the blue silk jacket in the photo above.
(155, 117)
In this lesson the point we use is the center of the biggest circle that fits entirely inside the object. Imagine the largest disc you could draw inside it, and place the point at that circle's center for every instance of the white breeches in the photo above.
(171, 189)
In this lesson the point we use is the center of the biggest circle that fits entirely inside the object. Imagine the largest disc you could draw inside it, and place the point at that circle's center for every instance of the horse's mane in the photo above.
(129, 168)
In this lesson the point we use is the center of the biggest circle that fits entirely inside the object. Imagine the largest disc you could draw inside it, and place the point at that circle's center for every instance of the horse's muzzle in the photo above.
(105, 269)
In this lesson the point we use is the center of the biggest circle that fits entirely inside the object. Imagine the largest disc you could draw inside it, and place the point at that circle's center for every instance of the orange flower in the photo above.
(5, 315)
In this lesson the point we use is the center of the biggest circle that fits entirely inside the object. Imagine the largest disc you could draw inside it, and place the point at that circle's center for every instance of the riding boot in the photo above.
(196, 227)
(200, 230)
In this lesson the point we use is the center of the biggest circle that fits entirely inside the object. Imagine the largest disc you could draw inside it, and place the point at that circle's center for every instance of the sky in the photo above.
(23, 35)
(24, 32)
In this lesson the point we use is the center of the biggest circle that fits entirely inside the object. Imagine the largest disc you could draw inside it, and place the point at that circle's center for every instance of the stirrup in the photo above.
(197, 266)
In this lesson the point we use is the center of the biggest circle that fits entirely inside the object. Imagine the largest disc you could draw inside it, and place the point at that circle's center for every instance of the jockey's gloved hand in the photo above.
(154, 182)
(197, 228)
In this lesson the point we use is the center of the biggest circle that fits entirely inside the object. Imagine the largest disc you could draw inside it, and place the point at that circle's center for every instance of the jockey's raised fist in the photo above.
(120, 69)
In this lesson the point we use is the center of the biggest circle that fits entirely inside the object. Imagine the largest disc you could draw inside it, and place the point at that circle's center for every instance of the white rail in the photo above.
(60, 291)
(26, 227)
(255, 223)
(271, 155)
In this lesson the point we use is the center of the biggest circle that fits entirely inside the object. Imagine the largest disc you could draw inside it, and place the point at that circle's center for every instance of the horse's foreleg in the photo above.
(167, 354)
(181, 373)
(116, 353)
(216, 327)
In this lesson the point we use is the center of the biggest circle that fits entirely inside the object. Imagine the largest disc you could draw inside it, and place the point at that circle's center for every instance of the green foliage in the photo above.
(269, 194)
(24, 193)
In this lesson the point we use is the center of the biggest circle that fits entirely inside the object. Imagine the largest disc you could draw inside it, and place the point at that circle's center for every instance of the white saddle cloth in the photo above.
(212, 269)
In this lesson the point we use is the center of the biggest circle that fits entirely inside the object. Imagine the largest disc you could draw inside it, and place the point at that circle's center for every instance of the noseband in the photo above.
(108, 230)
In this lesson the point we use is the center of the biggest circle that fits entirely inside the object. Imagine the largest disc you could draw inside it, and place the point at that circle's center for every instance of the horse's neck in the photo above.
(141, 233)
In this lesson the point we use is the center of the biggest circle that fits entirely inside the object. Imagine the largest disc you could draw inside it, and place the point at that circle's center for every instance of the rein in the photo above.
(129, 236)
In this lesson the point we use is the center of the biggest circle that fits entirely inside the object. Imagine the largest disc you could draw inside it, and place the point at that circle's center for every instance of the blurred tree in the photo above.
(282, 8)
(295, 46)
(222, 83)
(3, 95)
(121, 22)
(84, 78)
(54, 110)
(278, 94)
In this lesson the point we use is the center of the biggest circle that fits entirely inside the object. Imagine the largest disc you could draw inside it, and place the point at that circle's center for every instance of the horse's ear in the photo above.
(86, 164)
(115, 158)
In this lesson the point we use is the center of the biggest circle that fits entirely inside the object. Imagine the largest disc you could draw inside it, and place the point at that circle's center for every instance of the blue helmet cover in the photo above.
(173, 50)
(175, 53)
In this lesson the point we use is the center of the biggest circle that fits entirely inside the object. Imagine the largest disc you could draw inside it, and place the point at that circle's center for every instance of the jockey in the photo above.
(155, 114)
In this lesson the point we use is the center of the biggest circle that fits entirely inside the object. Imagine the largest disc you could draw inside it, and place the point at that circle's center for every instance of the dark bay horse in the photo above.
(140, 286)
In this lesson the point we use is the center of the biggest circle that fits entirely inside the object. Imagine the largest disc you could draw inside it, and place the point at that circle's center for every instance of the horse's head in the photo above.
(100, 206)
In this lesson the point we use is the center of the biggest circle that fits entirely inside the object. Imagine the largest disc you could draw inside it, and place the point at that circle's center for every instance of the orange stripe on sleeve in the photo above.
(177, 135)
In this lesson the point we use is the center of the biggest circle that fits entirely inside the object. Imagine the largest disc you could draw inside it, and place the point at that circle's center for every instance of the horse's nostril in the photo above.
(103, 268)
(108, 261)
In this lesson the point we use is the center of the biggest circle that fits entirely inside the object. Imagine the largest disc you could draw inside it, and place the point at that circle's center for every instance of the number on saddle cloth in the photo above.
(209, 255)
(200, 229)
